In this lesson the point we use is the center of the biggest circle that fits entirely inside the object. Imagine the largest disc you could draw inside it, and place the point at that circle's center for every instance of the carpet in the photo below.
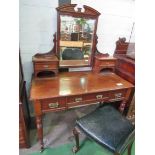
(88, 147)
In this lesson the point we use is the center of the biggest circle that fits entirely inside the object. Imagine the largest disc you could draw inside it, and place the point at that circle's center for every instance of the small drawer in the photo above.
(75, 99)
(97, 97)
(117, 94)
(107, 63)
(46, 65)
(54, 103)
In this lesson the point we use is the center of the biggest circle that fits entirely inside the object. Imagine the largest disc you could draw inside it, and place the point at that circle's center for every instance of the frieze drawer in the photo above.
(107, 63)
(86, 99)
(53, 104)
(117, 95)
(97, 96)
(75, 99)
(46, 66)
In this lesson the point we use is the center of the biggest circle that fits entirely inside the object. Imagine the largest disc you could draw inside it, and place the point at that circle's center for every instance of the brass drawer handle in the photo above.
(99, 96)
(53, 105)
(46, 66)
(78, 99)
(118, 95)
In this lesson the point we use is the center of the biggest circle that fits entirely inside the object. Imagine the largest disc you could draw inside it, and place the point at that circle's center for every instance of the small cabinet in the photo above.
(45, 66)
(104, 63)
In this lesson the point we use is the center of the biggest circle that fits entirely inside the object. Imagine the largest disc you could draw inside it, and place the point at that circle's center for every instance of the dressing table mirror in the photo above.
(74, 42)
(76, 35)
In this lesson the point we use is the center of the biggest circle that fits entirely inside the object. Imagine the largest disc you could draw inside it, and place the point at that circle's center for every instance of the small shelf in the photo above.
(106, 70)
(45, 74)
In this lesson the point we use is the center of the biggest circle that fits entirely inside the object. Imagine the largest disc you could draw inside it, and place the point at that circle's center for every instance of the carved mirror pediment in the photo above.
(76, 32)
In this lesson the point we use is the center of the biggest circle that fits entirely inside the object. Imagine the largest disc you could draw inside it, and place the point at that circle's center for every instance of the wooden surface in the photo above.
(44, 58)
(45, 63)
(68, 9)
(23, 131)
(76, 89)
(24, 115)
(75, 63)
(102, 62)
(105, 57)
(125, 66)
(73, 83)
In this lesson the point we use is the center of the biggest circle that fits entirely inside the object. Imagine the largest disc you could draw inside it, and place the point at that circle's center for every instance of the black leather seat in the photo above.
(107, 127)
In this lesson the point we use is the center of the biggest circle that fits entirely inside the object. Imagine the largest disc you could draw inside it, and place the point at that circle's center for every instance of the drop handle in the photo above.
(46, 66)
(99, 96)
(118, 95)
(78, 99)
(53, 105)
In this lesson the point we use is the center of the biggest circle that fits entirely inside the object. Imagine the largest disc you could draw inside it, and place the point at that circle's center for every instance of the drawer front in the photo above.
(46, 66)
(107, 63)
(87, 99)
(53, 104)
(75, 99)
(97, 96)
(117, 95)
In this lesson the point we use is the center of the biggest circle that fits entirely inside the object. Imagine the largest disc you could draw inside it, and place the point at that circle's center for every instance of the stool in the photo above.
(107, 127)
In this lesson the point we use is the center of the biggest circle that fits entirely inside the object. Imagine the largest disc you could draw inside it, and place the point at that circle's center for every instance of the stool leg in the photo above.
(129, 149)
(76, 148)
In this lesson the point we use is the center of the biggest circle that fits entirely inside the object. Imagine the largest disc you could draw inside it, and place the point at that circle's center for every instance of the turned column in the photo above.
(122, 106)
(39, 123)
(125, 101)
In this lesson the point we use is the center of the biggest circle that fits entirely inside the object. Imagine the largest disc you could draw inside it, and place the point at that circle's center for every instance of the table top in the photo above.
(75, 83)
(100, 57)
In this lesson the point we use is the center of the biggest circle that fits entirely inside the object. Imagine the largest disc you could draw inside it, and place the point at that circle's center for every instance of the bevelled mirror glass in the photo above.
(76, 38)
(76, 32)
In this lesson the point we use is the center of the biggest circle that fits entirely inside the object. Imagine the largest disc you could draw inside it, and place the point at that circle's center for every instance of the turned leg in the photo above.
(76, 135)
(39, 124)
(40, 131)
(122, 106)
(129, 149)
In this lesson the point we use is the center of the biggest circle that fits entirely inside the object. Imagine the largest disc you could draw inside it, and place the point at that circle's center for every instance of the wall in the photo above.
(38, 24)
(116, 20)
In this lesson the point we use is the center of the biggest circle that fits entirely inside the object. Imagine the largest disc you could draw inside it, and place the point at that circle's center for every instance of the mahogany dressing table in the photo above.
(53, 91)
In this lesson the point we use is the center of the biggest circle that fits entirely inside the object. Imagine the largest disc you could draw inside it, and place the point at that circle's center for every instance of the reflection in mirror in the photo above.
(76, 39)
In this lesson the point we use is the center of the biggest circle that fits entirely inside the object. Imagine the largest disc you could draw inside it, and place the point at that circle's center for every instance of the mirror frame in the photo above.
(88, 13)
